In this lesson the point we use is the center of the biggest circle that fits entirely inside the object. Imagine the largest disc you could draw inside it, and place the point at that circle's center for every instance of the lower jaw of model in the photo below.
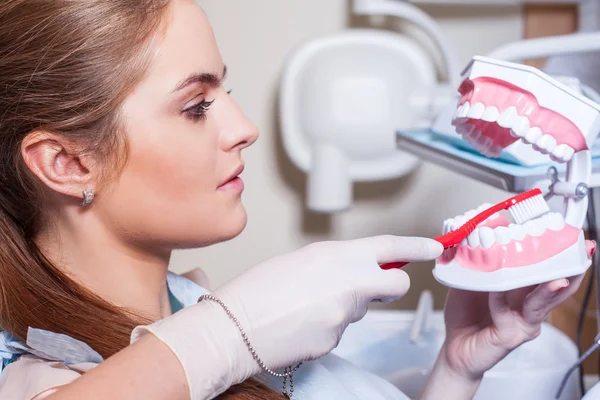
(500, 255)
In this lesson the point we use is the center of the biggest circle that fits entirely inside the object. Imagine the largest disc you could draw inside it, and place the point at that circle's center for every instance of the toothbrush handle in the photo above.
(394, 265)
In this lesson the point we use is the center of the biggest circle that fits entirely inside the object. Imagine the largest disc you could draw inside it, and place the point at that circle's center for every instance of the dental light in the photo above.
(342, 97)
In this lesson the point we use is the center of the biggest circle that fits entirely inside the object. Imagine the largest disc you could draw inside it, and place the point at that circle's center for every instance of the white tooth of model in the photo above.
(476, 111)
(502, 235)
(507, 117)
(445, 228)
(556, 222)
(517, 232)
(465, 110)
(547, 143)
(465, 129)
(534, 228)
(559, 152)
(487, 237)
(491, 114)
(473, 239)
(533, 135)
(521, 127)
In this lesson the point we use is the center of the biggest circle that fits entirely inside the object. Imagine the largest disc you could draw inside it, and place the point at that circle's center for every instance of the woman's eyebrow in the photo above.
(207, 78)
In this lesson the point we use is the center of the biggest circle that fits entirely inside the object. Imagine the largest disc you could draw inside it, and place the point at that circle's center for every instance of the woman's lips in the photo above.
(234, 185)
(234, 182)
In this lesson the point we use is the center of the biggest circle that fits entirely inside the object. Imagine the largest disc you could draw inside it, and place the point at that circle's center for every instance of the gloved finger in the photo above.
(388, 286)
(389, 248)
(360, 314)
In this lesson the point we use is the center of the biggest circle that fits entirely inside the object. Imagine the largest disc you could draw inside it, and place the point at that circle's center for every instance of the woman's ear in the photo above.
(57, 163)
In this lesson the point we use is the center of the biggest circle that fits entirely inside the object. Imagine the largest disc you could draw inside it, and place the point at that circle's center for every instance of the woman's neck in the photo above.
(119, 272)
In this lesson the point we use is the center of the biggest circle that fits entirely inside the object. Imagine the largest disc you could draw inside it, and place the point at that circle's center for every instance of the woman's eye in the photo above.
(198, 111)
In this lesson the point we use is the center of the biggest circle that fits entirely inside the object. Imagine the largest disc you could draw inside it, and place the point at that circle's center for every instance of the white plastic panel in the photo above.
(342, 99)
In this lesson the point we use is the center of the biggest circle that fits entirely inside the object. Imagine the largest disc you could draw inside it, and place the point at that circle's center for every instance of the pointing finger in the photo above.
(397, 248)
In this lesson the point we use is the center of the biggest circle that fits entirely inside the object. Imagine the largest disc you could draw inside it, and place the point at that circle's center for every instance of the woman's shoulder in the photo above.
(32, 378)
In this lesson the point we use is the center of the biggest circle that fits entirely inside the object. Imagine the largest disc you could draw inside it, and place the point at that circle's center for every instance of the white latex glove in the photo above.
(293, 308)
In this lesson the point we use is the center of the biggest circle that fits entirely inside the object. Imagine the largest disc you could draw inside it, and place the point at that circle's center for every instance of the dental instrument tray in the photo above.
(501, 103)
(439, 150)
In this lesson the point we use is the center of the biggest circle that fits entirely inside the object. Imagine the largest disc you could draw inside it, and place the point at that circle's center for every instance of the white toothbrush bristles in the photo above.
(529, 209)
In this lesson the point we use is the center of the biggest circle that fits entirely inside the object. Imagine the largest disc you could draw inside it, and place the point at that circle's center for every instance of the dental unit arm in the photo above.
(548, 46)
(410, 13)
(574, 189)
(443, 94)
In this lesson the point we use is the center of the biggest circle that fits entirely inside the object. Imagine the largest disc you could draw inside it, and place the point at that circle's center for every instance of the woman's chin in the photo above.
(233, 226)
(221, 230)
(239, 226)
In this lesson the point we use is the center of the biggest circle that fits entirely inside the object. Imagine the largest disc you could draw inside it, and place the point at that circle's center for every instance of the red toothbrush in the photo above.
(523, 207)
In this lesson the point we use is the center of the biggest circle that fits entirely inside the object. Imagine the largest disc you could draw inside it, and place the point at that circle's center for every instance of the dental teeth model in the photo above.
(501, 103)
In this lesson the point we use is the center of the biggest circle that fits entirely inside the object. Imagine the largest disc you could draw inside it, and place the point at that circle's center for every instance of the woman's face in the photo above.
(185, 137)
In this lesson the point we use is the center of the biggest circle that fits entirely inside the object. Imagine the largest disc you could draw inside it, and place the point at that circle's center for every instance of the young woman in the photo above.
(119, 144)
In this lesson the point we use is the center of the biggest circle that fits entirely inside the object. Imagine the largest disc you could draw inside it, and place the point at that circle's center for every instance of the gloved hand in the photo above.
(293, 308)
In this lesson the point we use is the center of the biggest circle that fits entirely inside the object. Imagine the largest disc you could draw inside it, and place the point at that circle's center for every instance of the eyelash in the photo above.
(198, 111)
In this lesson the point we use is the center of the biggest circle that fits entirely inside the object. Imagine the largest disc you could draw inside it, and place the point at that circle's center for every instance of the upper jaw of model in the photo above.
(498, 243)
(504, 102)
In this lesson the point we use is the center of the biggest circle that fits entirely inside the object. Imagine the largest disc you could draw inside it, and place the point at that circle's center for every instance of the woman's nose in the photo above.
(238, 132)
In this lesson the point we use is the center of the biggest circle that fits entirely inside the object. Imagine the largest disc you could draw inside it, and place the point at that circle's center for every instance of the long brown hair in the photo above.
(66, 67)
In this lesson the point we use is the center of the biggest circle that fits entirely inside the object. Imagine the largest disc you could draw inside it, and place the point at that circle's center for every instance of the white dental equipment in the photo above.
(343, 96)
(336, 92)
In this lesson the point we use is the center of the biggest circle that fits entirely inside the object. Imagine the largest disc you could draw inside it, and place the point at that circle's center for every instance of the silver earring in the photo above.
(88, 197)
